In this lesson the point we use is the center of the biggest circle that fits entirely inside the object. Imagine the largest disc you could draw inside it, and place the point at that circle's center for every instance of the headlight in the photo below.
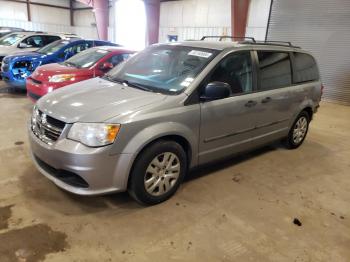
(62, 78)
(94, 134)
(35, 114)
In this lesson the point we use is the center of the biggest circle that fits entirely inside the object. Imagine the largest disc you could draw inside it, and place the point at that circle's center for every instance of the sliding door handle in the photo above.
(250, 103)
(266, 100)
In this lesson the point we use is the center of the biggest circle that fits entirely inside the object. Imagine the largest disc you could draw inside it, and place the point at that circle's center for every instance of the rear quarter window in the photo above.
(274, 70)
(51, 38)
(305, 68)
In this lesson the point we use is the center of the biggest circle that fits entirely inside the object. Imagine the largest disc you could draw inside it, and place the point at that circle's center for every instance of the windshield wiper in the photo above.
(70, 63)
(128, 83)
(139, 86)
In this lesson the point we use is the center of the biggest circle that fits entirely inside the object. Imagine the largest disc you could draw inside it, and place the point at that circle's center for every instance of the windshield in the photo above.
(86, 58)
(53, 47)
(11, 39)
(165, 68)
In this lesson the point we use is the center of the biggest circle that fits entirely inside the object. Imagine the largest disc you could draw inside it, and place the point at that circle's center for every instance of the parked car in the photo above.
(28, 41)
(7, 30)
(170, 108)
(93, 62)
(16, 68)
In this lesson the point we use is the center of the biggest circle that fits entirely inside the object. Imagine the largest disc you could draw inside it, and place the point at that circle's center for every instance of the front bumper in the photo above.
(36, 88)
(11, 81)
(102, 172)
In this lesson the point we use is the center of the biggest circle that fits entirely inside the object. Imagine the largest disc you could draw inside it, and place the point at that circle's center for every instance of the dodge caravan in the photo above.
(170, 108)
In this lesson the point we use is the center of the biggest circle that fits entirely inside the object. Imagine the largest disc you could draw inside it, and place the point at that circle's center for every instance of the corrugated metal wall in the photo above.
(191, 33)
(322, 27)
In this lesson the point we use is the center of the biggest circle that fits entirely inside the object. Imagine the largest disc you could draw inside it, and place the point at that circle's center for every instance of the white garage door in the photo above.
(322, 27)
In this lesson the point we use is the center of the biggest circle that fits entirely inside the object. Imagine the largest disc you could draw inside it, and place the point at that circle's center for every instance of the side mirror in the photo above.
(106, 66)
(23, 45)
(216, 90)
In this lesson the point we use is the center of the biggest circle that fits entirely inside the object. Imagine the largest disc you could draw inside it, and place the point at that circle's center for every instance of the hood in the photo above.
(10, 50)
(33, 56)
(43, 72)
(95, 100)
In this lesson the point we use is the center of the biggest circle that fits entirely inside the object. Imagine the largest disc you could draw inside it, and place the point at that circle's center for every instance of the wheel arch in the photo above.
(308, 110)
(181, 134)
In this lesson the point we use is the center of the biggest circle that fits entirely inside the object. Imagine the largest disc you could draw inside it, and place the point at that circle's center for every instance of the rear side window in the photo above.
(72, 50)
(116, 59)
(305, 68)
(274, 69)
(51, 38)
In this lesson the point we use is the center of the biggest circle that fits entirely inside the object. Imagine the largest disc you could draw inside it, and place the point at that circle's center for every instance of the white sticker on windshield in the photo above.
(101, 51)
(200, 53)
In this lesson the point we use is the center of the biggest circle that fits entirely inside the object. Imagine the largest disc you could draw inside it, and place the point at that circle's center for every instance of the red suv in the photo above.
(90, 63)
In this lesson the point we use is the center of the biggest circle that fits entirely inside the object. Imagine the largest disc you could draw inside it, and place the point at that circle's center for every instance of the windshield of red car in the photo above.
(86, 58)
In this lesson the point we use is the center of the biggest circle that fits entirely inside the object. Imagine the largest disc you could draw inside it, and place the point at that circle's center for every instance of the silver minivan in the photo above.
(170, 108)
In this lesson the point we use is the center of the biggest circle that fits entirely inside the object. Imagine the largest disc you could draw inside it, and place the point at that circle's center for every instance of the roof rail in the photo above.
(251, 39)
(277, 43)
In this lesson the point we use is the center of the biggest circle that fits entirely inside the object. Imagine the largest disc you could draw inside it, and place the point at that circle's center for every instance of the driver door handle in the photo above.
(250, 103)
(266, 100)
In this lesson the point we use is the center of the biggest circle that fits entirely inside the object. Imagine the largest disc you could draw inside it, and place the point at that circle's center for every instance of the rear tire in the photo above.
(298, 131)
(157, 172)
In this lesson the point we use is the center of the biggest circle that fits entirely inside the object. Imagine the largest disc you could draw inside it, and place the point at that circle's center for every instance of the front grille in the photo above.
(65, 176)
(35, 81)
(46, 128)
(34, 96)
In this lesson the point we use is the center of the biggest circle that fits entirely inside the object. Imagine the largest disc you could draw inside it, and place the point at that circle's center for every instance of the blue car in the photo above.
(16, 68)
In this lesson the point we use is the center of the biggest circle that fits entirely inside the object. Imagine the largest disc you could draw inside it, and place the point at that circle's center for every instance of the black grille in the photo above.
(46, 128)
(34, 96)
(65, 176)
(35, 81)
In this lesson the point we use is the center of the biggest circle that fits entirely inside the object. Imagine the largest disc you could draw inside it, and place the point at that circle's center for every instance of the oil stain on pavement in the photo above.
(31, 244)
(5, 214)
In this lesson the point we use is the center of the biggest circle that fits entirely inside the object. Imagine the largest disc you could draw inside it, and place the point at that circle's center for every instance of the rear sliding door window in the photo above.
(305, 68)
(274, 69)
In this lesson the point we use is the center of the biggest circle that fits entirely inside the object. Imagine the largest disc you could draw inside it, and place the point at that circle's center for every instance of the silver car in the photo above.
(28, 41)
(171, 108)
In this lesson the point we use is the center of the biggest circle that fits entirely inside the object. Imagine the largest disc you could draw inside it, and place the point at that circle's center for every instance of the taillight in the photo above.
(322, 87)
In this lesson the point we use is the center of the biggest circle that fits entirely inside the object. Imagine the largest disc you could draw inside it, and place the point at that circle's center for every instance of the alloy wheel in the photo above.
(162, 174)
(300, 129)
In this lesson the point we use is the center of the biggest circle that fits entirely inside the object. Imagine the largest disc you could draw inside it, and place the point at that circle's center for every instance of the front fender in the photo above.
(145, 136)
(159, 130)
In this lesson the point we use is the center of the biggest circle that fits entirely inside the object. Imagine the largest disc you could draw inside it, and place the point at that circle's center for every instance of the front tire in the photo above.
(157, 172)
(298, 131)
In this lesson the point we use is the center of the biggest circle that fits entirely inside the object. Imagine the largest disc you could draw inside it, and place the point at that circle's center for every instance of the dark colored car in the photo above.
(16, 68)
(90, 63)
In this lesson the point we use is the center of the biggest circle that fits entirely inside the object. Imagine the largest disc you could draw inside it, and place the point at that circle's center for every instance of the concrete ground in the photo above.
(238, 210)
